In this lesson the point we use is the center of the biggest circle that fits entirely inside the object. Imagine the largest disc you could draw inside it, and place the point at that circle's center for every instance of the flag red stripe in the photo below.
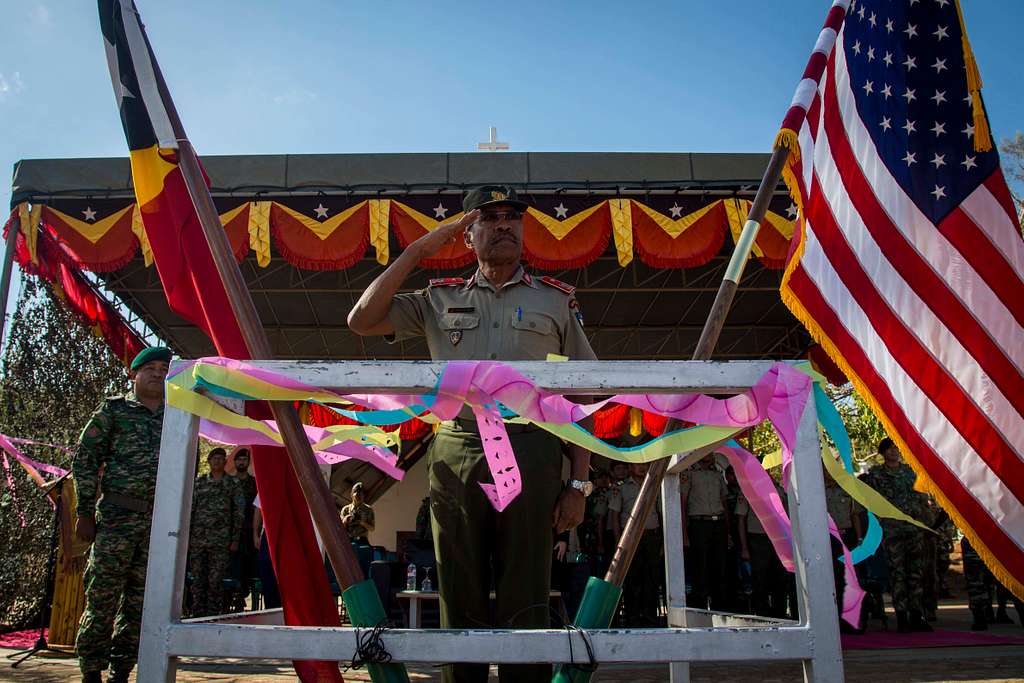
(932, 290)
(986, 260)
(1011, 556)
(931, 377)
(996, 184)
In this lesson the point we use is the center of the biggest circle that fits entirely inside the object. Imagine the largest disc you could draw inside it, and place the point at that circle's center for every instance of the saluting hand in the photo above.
(444, 234)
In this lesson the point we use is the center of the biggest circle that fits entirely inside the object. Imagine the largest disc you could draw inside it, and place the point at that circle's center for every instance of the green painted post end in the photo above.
(596, 610)
(365, 610)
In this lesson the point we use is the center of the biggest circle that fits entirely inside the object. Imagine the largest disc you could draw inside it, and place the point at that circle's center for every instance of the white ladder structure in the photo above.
(692, 635)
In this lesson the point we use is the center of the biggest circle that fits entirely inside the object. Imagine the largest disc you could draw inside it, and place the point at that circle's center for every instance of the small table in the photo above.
(415, 597)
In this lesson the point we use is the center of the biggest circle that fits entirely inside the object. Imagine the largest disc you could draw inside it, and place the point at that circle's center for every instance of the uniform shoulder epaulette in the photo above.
(447, 281)
(558, 284)
(116, 398)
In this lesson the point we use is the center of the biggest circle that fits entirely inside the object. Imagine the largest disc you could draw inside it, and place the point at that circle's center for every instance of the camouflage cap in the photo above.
(150, 354)
(488, 195)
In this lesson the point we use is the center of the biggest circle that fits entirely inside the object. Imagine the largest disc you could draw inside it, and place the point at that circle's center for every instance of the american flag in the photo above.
(909, 265)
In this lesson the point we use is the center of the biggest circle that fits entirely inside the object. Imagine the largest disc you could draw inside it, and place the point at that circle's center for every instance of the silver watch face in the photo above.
(584, 487)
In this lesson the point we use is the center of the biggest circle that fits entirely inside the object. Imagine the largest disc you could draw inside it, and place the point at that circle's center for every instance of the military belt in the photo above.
(128, 502)
(462, 424)
(706, 518)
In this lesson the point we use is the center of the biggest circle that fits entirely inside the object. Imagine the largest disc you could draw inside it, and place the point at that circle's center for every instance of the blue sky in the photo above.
(336, 76)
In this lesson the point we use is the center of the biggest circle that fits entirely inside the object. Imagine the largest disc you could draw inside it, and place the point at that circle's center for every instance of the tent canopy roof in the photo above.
(279, 174)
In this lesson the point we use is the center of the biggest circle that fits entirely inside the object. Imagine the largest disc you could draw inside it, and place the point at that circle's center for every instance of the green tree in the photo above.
(1012, 151)
(55, 373)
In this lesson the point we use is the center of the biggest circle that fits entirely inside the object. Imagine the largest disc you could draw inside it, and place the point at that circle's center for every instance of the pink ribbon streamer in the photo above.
(7, 443)
(381, 458)
(764, 500)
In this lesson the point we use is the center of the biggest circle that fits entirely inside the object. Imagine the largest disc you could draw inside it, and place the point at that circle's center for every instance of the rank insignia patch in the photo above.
(455, 336)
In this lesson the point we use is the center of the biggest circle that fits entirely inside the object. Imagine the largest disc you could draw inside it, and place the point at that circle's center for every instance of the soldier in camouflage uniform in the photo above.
(357, 517)
(903, 544)
(122, 438)
(218, 512)
(247, 556)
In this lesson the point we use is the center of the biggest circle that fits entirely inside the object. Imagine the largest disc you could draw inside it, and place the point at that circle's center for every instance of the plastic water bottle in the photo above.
(410, 577)
(426, 581)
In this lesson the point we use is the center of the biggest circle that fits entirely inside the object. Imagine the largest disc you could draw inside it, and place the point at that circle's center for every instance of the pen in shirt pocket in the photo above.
(519, 313)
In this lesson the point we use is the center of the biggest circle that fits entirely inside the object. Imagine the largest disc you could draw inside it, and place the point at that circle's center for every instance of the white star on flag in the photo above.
(939, 192)
(940, 33)
(561, 211)
(939, 65)
(886, 123)
(939, 160)
(121, 91)
(676, 210)
(89, 214)
(792, 211)
(939, 128)
(440, 211)
(968, 163)
(321, 211)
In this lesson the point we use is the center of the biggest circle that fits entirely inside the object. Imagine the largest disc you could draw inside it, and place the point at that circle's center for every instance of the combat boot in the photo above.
(92, 677)
(918, 623)
(902, 623)
(980, 622)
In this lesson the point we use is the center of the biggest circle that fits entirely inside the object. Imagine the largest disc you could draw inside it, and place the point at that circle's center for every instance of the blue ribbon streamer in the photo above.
(832, 422)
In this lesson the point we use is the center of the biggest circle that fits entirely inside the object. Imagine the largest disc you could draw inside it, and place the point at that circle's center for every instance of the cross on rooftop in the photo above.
(492, 145)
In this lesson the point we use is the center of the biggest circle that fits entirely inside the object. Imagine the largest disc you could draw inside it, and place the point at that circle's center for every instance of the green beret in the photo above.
(150, 354)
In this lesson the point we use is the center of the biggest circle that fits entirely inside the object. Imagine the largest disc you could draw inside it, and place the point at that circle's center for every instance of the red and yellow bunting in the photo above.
(681, 240)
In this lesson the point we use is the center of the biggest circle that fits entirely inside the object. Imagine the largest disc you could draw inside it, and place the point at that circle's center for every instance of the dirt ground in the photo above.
(977, 664)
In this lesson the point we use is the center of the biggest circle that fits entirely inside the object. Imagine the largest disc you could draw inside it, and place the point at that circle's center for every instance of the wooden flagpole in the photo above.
(651, 487)
(300, 453)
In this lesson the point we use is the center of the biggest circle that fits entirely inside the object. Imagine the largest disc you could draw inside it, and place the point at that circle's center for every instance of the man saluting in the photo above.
(500, 313)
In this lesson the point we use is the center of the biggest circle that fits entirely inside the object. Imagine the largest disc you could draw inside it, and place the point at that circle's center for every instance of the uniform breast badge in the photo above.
(455, 336)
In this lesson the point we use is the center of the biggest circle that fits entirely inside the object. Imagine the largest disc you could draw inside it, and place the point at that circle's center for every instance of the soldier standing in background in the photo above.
(357, 517)
(703, 494)
(247, 554)
(646, 572)
(894, 480)
(122, 438)
(218, 512)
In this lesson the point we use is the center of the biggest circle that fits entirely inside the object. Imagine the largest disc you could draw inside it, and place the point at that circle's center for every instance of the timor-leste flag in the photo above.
(195, 291)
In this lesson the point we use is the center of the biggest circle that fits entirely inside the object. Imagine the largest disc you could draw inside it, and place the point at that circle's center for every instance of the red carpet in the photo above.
(20, 640)
(875, 640)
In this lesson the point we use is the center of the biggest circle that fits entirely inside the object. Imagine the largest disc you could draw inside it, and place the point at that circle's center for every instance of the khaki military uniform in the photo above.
(771, 585)
(647, 571)
(707, 529)
(476, 546)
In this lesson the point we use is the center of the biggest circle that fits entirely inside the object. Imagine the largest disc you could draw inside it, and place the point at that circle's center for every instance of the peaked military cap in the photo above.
(488, 195)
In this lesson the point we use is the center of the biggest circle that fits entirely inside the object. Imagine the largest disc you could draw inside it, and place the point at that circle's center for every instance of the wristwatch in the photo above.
(584, 487)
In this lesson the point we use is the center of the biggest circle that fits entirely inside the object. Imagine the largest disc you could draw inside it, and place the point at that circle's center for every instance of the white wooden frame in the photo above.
(692, 636)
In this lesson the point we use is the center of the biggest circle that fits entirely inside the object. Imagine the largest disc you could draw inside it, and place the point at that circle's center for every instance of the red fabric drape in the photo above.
(112, 251)
(693, 247)
(304, 249)
(578, 249)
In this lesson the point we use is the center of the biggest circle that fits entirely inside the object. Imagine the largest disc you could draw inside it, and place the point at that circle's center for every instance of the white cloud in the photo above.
(10, 85)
